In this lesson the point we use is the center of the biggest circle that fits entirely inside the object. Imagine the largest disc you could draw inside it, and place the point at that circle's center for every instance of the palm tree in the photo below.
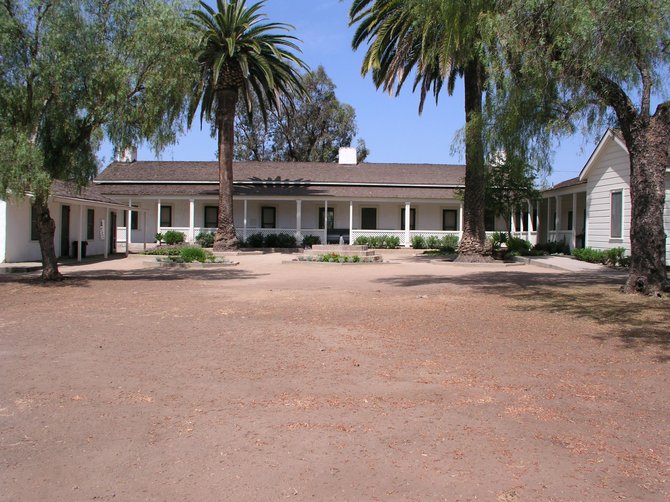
(438, 41)
(239, 53)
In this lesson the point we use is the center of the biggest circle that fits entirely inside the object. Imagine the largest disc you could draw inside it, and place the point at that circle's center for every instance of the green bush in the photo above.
(433, 242)
(271, 241)
(355, 258)
(164, 251)
(449, 243)
(205, 239)
(419, 242)
(193, 253)
(589, 255)
(390, 241)
(285, 241)
(255, 240)
(518, 245)
(310, 240)
(363, 240)
(160, 237)
(615, 257)
(552, 247)
(173, 237)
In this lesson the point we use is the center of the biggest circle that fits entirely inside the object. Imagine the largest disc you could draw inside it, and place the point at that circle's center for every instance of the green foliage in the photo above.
(552, 247)
(310, 240)
(449, 243)
(519, 246)
(418, 242)
(255, 240)
(174, 237)
(355, 259)
(160, 237)
(433, 242)
(589, 255)
(238, 50)
(497, 239)
(193, 253)
(280, 241)
(205, 239)
(164, 251)
(378, 241)
(312, 130)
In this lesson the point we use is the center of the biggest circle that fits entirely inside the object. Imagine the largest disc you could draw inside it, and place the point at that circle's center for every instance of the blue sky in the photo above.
(391, 126)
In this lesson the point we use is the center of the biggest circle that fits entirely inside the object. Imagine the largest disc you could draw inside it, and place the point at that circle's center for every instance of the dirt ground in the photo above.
(270, 381)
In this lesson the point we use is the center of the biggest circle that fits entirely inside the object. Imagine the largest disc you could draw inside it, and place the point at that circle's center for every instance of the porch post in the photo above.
(351, 222)
(407, 222)
(512, 223)
(144, 230)
(549, 217)
(573, 237)
(81, 232)
(129, 215)
(558, 215)
(586, 219)
(191, 220)
(529, 225)
(104, 234)
(158, 217)
(325, 222)
(244, 225)
(460, 221)
(298, 219)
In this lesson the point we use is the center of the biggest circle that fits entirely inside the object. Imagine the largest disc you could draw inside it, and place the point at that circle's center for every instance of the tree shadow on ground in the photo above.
(636, 321)
(86, 278)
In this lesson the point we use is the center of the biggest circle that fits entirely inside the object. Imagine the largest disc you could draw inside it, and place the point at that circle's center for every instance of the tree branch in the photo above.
(613, 95)
(645, 105)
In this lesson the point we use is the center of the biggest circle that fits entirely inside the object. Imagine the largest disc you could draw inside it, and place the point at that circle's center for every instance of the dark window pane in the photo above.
(166, 216)
(268, 217)
(211, 216)
(412, 218)
(90, 224)
(369, 218)
(450, 219)
(616, 230)
(331, 217)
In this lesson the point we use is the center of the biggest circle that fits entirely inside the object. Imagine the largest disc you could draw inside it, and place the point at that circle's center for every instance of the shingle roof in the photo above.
(304, 179)
(312, 172)
(72, 191)
(567, 183)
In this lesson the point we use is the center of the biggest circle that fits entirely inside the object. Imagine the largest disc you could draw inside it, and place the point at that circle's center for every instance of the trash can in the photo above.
(75, 249)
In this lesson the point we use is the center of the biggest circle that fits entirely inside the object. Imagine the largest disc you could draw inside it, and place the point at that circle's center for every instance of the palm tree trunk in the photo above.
(226, 237)
(46, 230)
(473, 242)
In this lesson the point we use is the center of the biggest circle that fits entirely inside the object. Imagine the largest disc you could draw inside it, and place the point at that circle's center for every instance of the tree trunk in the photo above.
(226, 238)
(647, 142)
(46, 229)
(473, 242)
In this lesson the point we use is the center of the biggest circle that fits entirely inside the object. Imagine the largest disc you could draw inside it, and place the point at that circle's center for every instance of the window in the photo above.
(412, 218)
(554, 221)
(569, 220)
(166, 216)
(616, 223)
(450, 219)
(331, 217)
(90, 224)
(268, 217)
(211, 217)
(369, 218)
(134, 219)
(34, 231)
(489, 221)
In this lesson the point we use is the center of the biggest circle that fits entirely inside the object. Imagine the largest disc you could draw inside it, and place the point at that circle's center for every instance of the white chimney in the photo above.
(348, 156)
(127, 155)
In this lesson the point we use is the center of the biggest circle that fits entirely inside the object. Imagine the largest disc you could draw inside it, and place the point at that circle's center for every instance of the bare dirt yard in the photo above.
(271, 381)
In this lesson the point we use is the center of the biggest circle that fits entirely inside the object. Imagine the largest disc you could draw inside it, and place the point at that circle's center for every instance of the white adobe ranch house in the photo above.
(332, 201)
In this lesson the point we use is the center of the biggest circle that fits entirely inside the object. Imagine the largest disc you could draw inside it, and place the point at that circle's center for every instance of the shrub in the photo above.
(497, 239)
(552, 247)
(589, 255)
(271, 241)
(362, 241)
(285, 241)
(615, 256)
(390, 241)
(419, 242)
(255, 240)
(173, 237)
(355, 258)
(518, 245)
(193, 253)
(449, 243)
(310, 240)
(433, 242)
(160, 237)
(164, 251)
(205, 239)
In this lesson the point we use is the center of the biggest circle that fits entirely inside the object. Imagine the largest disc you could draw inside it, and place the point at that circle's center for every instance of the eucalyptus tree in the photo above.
(73, 71)
(603, 62)
(239, 53)
(437, 41)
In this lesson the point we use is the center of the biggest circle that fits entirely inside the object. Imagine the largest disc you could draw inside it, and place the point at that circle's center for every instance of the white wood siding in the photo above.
(611, 173)
(3, 230)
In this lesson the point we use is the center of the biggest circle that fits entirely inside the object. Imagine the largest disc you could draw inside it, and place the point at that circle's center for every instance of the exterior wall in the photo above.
(667, 218)
(611, 173)
(3, 230)
(18, 246)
